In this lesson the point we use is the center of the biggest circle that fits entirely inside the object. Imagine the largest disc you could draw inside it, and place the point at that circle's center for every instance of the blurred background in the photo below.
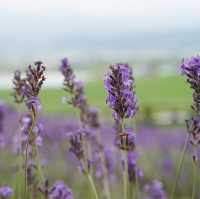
(153, 36)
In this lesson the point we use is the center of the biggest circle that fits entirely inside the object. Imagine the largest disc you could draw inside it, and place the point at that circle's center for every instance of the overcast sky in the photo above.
(36, 26)
(85, 15)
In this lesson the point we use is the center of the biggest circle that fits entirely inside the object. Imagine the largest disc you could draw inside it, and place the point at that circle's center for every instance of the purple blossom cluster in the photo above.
(29, 87)
(5, 192)
(60, 191)
(155, 190)
(121, 96)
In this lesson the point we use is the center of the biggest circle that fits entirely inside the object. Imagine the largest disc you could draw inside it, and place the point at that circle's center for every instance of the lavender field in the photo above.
(76, 150)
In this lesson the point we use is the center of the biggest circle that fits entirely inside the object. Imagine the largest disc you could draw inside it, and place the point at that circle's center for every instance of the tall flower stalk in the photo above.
(191, 69)
(80, 145)
(27, 90)
(119, 84)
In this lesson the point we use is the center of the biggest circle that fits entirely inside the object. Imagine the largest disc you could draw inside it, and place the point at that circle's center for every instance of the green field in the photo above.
(158, 93)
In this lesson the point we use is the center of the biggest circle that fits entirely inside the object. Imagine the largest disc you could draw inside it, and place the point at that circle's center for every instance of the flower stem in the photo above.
(91, 182)
(179, 168)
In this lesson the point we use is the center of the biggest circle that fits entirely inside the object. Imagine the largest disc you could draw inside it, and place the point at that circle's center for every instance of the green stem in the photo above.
(179, 168)
(91, 182)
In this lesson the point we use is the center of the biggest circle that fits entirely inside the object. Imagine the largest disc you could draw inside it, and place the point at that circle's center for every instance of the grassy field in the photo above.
(158, 93)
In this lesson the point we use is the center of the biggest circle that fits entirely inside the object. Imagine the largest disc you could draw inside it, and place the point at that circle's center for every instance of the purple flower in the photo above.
(121, 95)
(5, 192)
(33, 103)
(193, 127)
(155, 190)
(191, 68)
(76, 145)
(19, 85)
(60, 191)
(64, 65)
(74, 88)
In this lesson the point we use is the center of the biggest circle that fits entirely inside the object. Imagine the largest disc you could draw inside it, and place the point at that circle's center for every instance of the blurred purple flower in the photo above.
(133, 172)
(60, 191)
(5, 192)
(76, 144)
(33, 103)
(74, 89)
(155, 190)
(65, 65)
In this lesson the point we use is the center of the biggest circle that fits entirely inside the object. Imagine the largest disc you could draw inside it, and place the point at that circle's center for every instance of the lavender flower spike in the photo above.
(191, 69)
(121, 95)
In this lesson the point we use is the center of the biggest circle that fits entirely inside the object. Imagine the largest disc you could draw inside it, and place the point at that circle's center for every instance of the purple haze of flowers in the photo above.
(60, 191)
(155, 190)
(5, 192)
(121, 95)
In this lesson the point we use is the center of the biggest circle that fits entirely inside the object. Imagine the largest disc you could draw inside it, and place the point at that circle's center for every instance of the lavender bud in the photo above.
(76, 145)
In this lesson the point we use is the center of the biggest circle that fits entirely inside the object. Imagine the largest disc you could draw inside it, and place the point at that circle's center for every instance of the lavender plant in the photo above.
(27, 90)
(191, 69)
(122, 100)
(80, 145)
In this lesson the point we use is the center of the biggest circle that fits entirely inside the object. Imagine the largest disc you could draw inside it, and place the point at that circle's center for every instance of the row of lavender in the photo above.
(105, 156)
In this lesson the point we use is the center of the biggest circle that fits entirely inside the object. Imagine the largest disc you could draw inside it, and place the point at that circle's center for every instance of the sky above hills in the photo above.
(45, 27)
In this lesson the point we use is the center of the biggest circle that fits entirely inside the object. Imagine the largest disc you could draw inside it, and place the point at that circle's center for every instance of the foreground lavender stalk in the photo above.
(80, 145)
(27, 90)
(191, 69)
(122, 100)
